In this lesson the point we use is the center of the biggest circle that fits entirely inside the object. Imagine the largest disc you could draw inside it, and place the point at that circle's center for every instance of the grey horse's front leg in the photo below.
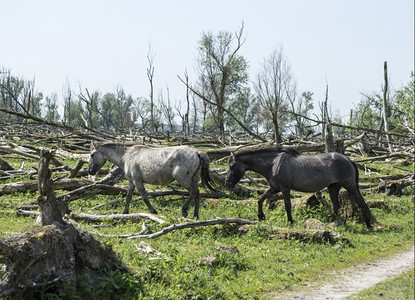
(143, 193)
(129, 196)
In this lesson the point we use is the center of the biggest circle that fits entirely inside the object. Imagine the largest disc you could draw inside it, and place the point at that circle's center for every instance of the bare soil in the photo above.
(347, 282)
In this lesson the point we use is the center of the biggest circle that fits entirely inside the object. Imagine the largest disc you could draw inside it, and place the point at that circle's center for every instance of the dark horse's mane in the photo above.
(266, 149)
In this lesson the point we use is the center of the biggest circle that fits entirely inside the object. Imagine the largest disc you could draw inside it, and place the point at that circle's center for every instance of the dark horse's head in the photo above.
(235, 172)
(96, 160)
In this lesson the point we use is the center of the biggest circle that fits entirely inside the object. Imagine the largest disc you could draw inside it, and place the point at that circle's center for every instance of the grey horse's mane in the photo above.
(266, 149)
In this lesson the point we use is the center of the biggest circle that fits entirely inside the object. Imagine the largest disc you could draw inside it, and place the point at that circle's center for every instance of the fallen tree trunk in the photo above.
(32, 186)
(394, 187)
(238, 189)
(137, 217)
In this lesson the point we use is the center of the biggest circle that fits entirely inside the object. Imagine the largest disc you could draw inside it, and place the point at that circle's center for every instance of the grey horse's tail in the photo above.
(204, 173)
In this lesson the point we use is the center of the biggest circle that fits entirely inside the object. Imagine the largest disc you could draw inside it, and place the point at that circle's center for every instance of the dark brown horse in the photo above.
(286, 169)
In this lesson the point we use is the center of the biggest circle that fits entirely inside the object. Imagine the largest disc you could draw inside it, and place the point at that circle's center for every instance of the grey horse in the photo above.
(286, 169)
(143, 164)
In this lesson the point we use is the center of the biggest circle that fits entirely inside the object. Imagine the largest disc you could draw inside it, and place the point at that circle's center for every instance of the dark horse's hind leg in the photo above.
(334, 198)
(261, 199)
(287, 201)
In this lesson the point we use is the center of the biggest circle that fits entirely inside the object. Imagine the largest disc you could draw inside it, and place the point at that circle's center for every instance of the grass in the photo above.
(398, 288)
(262, 264)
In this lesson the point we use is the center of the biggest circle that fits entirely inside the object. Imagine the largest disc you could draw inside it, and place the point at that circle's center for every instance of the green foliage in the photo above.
(400, 110)
(405, 99)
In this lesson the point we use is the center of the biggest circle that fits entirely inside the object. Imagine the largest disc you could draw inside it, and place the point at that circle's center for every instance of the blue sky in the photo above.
(103, 44)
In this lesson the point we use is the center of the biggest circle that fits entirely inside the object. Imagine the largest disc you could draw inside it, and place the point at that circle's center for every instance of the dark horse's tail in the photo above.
(204, 173)
(357, 174)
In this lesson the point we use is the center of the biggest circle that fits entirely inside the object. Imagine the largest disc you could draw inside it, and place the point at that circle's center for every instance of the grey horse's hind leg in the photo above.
(129, 196)
(194, 194)
(334, 198)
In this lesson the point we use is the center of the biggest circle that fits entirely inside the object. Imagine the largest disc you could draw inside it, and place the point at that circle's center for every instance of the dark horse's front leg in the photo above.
(265, 195)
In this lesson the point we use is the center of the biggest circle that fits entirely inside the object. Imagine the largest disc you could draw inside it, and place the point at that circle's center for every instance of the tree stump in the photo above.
(55, 252)
(349, 208)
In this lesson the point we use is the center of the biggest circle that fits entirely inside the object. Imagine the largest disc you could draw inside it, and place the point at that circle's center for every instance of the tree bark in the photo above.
(50, 210)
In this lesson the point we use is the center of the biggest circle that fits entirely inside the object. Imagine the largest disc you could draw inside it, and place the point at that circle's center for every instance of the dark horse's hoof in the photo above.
(261, 217)
(369, 229)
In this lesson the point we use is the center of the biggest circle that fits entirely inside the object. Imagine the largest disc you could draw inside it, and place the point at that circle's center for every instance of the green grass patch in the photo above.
(262, 264)
(398, 288)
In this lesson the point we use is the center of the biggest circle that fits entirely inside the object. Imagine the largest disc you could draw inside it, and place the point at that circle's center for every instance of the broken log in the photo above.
(238, 189)
(394, 187)
(307, 235)
(4, 165)
(190, 225)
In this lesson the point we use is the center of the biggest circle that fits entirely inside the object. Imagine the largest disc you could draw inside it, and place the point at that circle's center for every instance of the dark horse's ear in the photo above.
(93, 145)
(231, 156)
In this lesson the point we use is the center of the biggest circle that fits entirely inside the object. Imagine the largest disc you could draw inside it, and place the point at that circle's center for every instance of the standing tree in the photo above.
(90, 108)
(274, 86)
(51, 108)
(222, 72)
(302, 108)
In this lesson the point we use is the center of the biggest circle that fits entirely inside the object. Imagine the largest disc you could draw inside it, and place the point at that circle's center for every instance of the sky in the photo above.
(103, 44)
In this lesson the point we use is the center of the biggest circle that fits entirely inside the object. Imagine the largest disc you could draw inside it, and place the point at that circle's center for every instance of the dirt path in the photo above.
(355, 279)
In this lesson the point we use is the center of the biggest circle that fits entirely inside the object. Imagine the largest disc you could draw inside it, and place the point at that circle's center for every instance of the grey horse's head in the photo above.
(97, 159)
(235, 172)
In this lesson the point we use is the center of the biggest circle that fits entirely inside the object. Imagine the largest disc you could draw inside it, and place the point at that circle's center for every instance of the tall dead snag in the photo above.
(51, 254)
(50, 209)
(385, 105)
(328, 132)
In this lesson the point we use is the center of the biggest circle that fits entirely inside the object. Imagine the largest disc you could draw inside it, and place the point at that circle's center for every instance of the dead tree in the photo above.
(385, 107)
(53, 253)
